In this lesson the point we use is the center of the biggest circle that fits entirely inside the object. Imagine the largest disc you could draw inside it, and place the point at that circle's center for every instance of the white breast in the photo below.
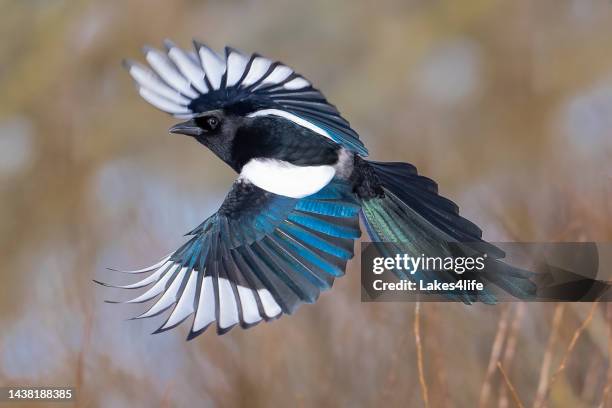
(286, 179)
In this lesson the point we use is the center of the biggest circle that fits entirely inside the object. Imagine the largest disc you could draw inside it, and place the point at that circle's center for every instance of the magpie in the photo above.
(287, 227)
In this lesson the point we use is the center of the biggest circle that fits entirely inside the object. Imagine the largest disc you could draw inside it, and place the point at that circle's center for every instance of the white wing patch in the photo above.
(258, 69)
(151, 82)
(250, 312)
(228, 308)
(178, 287)
(297, 83)
(168, 72)
(286, 179)
(155, 289)
(188, 66)
(148, 268)
(236, 64)
(213, 65)
(184, 307)
(168, 298)
(178, 77)
(279, 74)
(162, 103)
(271, 308)
(205, 314)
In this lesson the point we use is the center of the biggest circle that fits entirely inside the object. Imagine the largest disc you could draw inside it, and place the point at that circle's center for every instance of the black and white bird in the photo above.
(288, 224)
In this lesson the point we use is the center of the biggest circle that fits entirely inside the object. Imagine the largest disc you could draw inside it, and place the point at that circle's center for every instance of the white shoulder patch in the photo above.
(293, 118)
(286, 179)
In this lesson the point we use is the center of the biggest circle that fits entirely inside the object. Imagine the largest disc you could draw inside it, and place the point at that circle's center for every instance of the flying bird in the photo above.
(287, 227)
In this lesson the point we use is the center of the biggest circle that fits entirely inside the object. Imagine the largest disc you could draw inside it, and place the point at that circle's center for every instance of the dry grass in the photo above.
(548, 355)
(605, 396)
(437, 356)
(419, 348)
(511, 388)
(568, 352)
(496, 350)
(510, 349)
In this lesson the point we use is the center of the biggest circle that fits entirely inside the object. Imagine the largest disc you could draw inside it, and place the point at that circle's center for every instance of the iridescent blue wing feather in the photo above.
(259, 256)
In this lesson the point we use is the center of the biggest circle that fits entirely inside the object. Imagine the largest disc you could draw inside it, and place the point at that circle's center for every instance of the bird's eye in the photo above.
(212, 123)
(208, 123)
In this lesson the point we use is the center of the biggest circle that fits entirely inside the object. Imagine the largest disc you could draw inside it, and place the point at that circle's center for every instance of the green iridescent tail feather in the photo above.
(412, 218)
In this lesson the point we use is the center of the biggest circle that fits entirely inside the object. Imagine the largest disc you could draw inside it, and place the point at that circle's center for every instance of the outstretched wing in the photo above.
(186, 83)
(259, 256)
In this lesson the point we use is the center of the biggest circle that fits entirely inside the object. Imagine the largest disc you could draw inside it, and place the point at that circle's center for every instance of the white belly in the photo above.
(286, 179)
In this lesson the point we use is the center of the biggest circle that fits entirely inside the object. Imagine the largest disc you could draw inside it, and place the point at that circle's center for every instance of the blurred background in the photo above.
(507, 104)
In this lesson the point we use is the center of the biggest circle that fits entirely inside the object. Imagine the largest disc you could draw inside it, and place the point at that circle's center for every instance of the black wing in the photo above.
(186, 83)
(259, 256)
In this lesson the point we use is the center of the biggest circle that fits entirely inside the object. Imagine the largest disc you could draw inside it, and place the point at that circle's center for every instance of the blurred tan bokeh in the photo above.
(507, 104)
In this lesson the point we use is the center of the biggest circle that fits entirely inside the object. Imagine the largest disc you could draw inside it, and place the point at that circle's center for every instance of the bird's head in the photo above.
(205, 125)
(215, 129)
(212, 124)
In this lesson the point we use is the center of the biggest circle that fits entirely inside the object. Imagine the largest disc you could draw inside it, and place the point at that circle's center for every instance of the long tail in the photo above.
(400, 206)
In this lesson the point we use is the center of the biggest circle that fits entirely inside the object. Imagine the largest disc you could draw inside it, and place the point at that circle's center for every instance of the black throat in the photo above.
(242, 139)
(274, 137)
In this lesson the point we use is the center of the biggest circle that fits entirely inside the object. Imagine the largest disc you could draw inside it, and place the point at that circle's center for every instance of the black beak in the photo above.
(189, 128)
